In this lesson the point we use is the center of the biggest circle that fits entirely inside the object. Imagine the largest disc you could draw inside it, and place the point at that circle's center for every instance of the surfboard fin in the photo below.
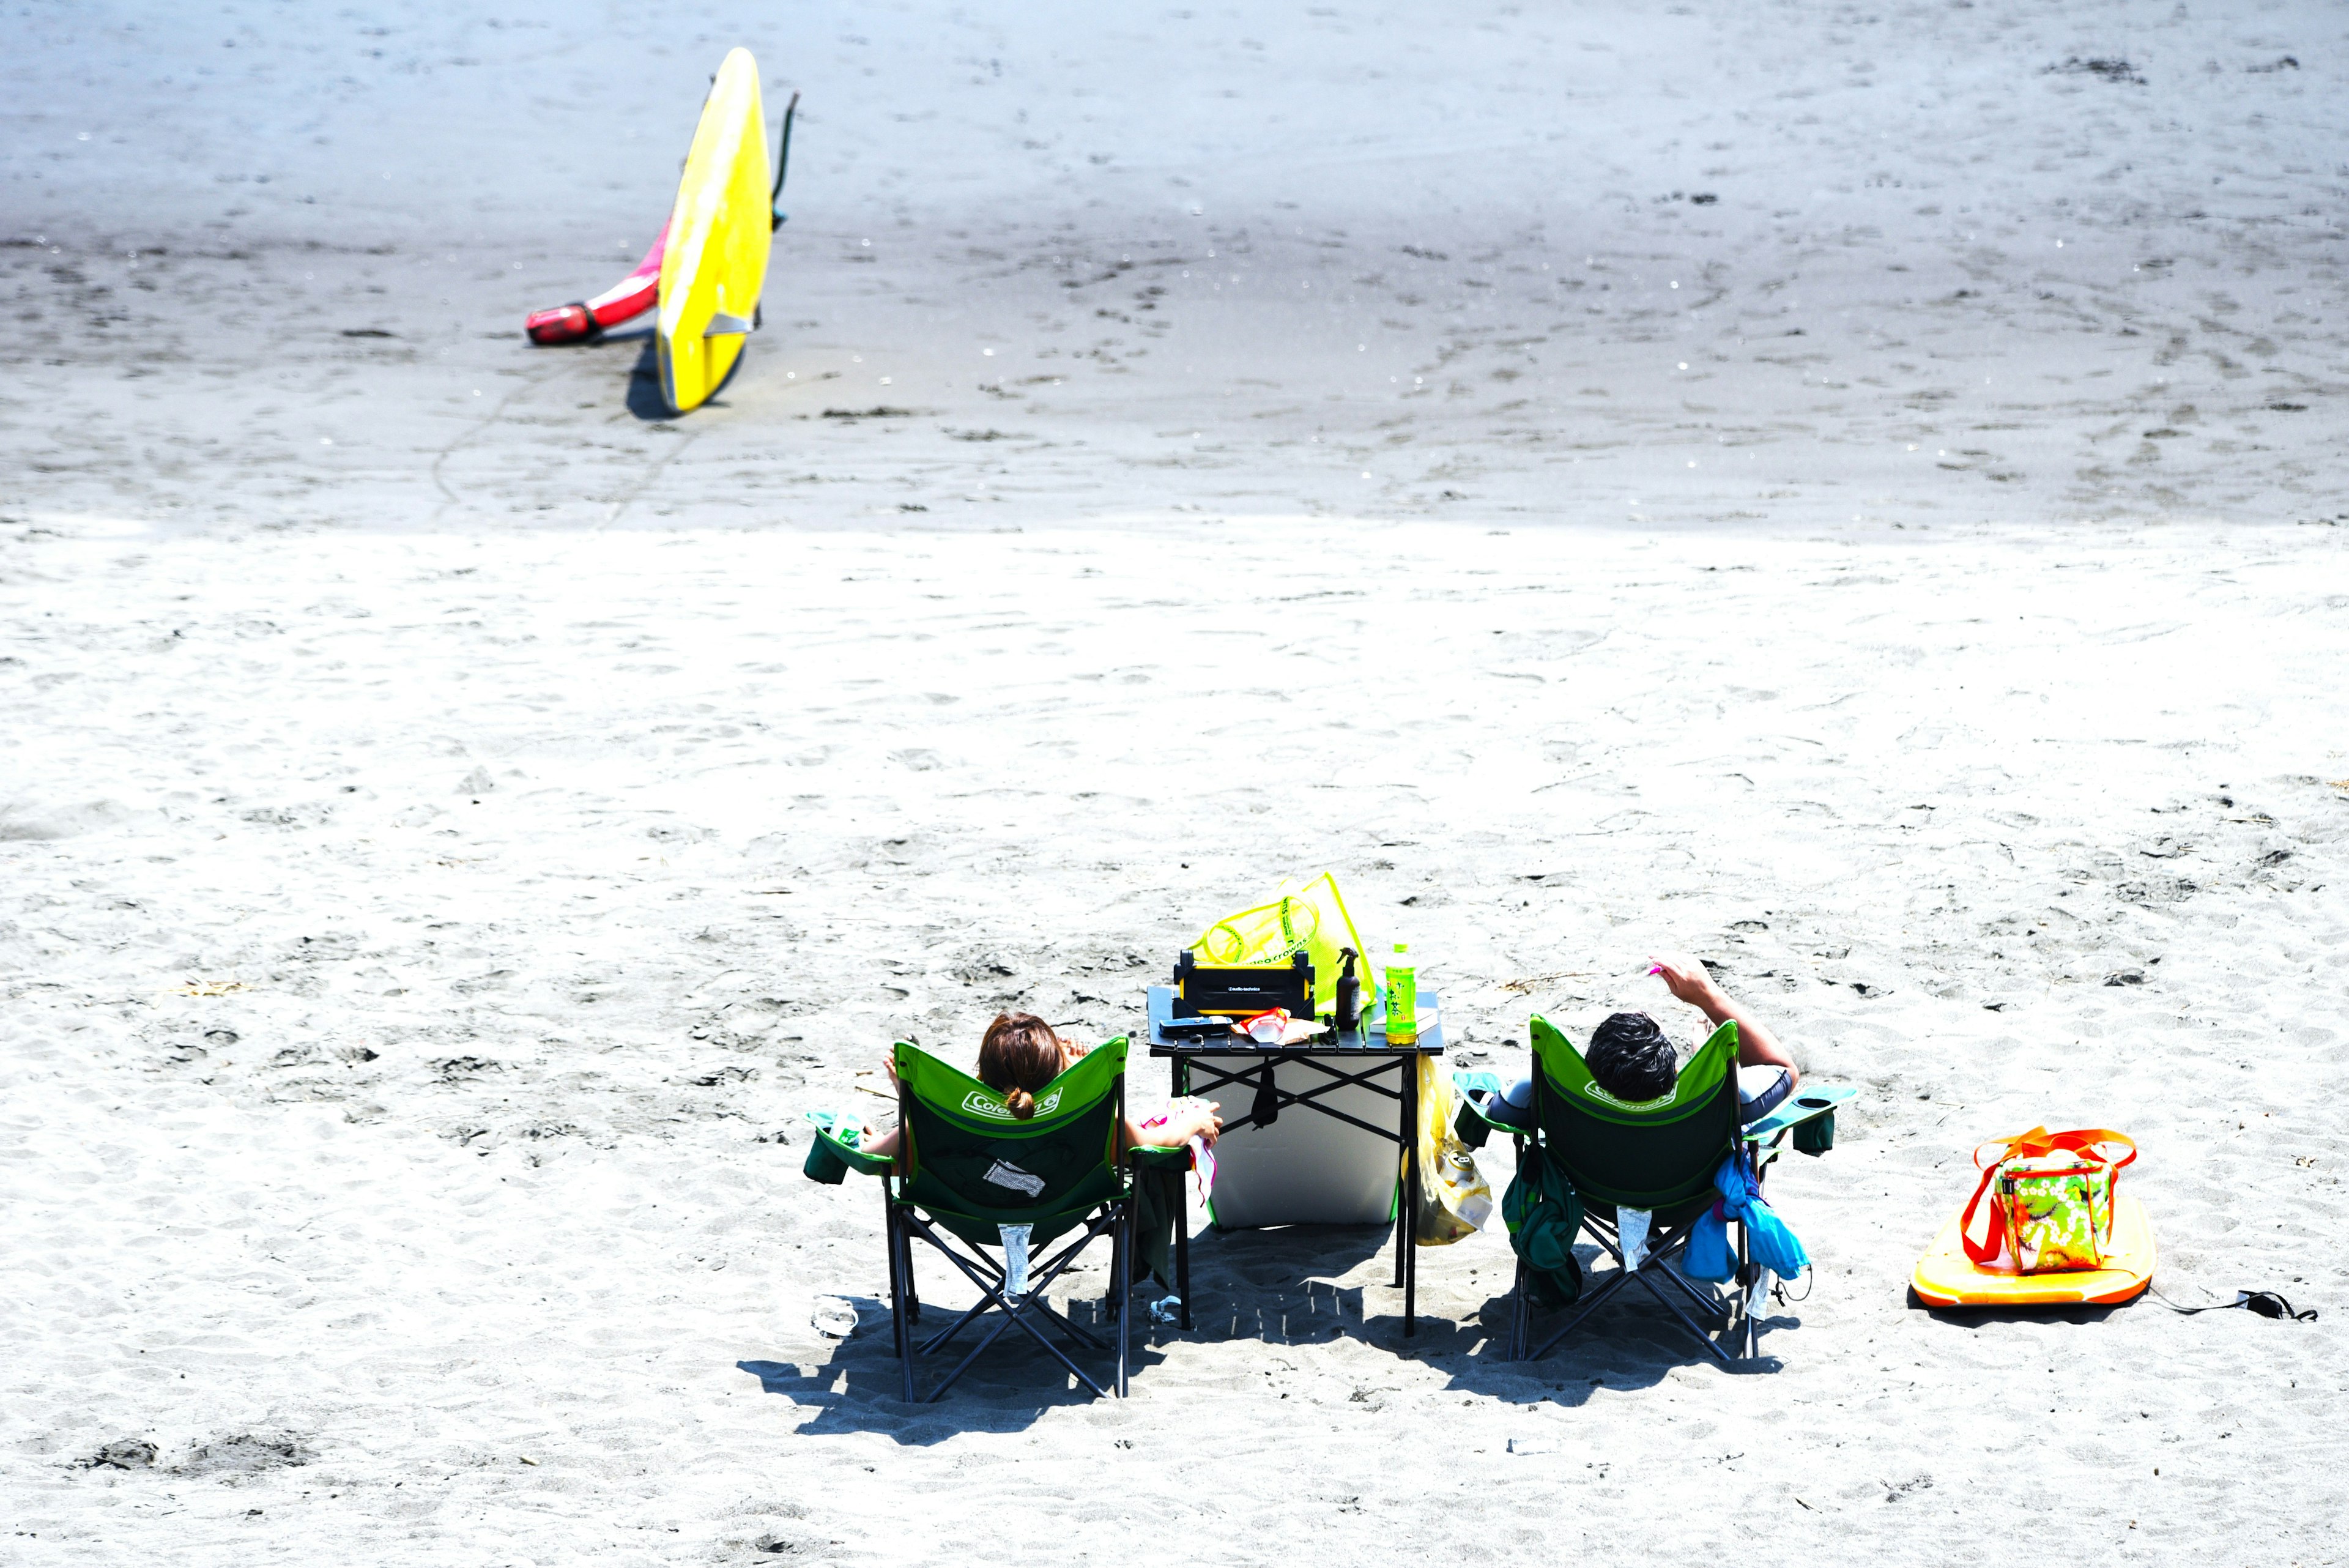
(724, 326)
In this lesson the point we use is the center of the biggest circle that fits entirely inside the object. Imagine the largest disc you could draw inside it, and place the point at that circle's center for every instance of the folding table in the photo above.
(1313, 1134)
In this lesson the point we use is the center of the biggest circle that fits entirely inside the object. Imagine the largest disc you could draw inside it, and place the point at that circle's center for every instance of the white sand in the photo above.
(576, 798)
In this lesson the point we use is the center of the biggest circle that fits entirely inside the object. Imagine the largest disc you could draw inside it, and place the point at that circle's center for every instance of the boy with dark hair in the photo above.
(1632, 1059)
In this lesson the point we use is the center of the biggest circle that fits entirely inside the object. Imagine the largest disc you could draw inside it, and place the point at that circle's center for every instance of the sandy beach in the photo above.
(1854, 496)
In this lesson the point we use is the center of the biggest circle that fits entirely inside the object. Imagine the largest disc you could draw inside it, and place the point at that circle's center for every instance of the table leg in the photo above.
(1181, 1071)
(1407, 1262)
(1402, 1206)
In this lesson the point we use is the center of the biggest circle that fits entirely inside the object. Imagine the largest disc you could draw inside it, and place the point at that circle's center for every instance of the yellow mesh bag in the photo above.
(1310, 920)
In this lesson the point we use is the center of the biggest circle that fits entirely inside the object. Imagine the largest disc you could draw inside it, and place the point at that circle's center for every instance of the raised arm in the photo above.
(1756, 1047)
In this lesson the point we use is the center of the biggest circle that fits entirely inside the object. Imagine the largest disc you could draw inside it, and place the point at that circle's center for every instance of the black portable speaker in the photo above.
(1239, 989)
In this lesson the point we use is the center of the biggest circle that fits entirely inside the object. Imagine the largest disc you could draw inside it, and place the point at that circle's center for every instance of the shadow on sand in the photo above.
(1629, 1343)
(644, 399)
(1983, 1316)
(1277, 1287)
(860, 1388)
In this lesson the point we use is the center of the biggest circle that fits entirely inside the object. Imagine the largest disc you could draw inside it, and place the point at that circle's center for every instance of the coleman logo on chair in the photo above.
(1666, 1098)
(979, 1102)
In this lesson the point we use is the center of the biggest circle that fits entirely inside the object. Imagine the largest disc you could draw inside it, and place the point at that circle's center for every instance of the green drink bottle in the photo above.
(1403, 998)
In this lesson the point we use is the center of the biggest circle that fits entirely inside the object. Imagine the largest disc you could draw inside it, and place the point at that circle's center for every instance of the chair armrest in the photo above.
(1475, 1091)
(1157, 1157)
(834, 1152)
(1473, 1087)
(1806, 1104)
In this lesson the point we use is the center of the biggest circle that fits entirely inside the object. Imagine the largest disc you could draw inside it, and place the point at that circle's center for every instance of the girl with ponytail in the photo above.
(1021, 1054)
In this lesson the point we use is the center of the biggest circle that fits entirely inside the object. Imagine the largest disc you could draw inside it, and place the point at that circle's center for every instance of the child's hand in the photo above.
(1686, 978)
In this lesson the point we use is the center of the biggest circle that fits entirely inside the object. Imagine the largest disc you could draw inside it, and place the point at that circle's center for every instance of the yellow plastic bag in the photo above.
(1454, 1198)
(1311, 919)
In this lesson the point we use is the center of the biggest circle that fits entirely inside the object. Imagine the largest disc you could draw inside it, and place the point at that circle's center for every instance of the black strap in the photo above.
(2266, 1303)
(783, 166)
(1265, 1110)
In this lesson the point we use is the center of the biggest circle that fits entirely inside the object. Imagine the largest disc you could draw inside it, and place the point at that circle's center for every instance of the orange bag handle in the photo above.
(2037, 1141)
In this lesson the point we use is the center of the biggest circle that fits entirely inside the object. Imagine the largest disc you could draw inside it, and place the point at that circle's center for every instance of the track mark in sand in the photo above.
(651, 474)
(448, 497)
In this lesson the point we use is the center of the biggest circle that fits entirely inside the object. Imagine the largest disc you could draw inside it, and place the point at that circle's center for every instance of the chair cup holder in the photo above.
(1816, 1136)
(823, 1162)
(1472, 1129)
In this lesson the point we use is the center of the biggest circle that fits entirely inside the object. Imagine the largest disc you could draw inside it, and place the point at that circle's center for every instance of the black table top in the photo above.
(1356, 1042)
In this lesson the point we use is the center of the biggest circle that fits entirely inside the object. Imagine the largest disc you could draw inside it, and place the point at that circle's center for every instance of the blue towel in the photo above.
(1775, 1247)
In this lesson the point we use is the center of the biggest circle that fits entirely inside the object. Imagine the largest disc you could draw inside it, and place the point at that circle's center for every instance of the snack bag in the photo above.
(1275, 1027)
(1454, 1198)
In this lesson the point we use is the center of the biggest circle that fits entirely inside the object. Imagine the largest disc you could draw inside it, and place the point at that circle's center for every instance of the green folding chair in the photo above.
(968, 1171)
(1661, 1157)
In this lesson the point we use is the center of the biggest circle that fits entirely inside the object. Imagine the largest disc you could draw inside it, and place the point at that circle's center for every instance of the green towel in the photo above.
(1543, 1213)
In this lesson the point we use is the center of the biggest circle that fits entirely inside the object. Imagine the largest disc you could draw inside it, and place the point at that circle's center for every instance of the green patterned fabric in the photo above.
(1543, 1214)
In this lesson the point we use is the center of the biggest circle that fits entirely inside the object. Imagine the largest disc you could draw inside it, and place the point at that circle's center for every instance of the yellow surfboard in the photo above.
(715, 265)
(1946, 1277)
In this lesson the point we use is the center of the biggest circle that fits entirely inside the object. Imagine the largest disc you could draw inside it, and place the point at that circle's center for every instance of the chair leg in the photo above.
(1183, 1249)
(1686, 1322)
(1010, 1316)
(986, 1304)
(1520, 1310)
(1658, 1261)
(1069, 1331)
(982, 1271)
(904, 1261)
(1704, 1304)
(946, 1335)
(897, 1287)
(900, 1302)
(951, 1378)
(1123, 1250)
(1120, 1296)
(1590, 1304)
(1746, 1280)
(1116, 1294)
(1017, 1317)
